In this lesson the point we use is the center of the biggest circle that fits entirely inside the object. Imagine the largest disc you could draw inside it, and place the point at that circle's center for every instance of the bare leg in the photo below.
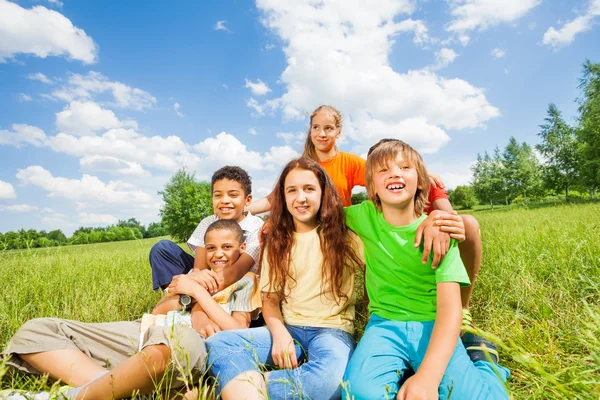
(69, 365)
(250, 385)
(470, 253)
(141, 373)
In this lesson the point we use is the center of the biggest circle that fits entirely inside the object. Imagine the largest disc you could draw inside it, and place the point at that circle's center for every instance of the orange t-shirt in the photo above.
(346, 170)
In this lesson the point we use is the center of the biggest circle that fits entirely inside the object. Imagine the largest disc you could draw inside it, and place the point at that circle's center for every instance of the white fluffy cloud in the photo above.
(7, 191)
(338, 53)
(258, 88)
(96, 219)
(417, 27)
(89, 191)
(114, 165)
(82, 87)
(444, 57)
(252, 131)
(19, 208)
(42, 32)
(280, 155)
(498, 52)
(40, 77)
(85, 118)
(564, 36)
(22, 134)
(469, 15)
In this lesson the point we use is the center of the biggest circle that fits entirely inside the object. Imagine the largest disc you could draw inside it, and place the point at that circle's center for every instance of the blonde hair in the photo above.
(386, 151)
(309, 147)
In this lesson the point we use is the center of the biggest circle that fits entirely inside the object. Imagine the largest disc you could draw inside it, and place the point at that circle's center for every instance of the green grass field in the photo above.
(538, 293)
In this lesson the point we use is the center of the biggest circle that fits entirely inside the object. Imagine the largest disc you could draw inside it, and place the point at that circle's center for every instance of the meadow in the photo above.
(538, 294)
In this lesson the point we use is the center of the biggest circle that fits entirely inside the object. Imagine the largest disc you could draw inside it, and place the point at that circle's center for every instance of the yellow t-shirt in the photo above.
(308, 303)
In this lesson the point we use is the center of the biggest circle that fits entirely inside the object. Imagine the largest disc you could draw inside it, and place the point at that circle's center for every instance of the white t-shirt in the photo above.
(251, 225)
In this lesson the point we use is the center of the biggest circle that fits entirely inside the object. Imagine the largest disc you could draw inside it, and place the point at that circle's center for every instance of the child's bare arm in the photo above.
(236, 271)
(183, 284)
(441, 346)
(283, 351)
(168, 303)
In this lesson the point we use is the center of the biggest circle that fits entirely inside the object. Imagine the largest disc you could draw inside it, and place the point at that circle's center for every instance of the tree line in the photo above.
(568, 157)
(124, 230)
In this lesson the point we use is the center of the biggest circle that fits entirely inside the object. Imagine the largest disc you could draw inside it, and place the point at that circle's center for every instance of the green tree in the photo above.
(186, 203)
(57, 235)
(522, 171)
(358, 198)
(132, 223)
(156, 229)
(488, 181)
(559, 148)
(95, 236)
(463, 197)
(588, 132)
(80, 238)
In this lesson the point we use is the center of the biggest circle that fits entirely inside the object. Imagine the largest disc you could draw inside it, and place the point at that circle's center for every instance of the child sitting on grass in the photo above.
(415, 312)
(77, 353)
(231, 189)
(307, 280)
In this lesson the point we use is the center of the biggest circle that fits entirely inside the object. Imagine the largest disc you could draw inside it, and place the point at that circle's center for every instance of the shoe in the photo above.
(480, 349)
(467, 321)
(16, 394)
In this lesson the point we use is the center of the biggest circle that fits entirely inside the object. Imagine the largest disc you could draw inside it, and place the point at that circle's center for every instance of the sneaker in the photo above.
(15, 394)
(479, 348)
(467, 321)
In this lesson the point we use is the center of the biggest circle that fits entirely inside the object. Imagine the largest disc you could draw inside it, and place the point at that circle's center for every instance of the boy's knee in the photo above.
(161, 248)
(471, 227)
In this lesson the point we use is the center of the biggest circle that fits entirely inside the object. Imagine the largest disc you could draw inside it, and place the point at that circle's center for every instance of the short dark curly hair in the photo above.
(227, 225)
(233, 173)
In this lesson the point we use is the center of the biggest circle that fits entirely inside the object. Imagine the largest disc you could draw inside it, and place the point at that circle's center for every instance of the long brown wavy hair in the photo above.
(339, 256)
(309, 146)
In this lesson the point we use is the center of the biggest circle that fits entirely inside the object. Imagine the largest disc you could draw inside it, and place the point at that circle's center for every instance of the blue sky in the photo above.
(103, 101)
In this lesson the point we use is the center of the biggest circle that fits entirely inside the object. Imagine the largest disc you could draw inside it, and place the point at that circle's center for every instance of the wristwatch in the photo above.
(185, 301)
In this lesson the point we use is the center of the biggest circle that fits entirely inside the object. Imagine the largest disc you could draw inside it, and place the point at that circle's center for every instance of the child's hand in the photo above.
(435, 180)
(452, 224)
(433, 239)
(418, 388)
(183, 284)
(284, 351)
(209, 280)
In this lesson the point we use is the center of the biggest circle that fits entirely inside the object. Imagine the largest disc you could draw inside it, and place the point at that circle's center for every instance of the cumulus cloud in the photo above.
(22, 134)
(96, 219)
(85, 118)
(418, 27)
(337, 52)
(114, 165)
(20, 208)
(7, 191)
(258, 88)
(444, 57)
(469, 15)
(176, 108)
(24, 97)
(280, 155)
(220, 26)
(40, 77)
(42, 32)
(89, 191)
(498, 52)
(252, 131)
(290, 137)
(564, 36)
(83, 87)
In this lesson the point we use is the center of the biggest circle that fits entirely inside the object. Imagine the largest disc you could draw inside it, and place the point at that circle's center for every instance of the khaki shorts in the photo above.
(109, 344)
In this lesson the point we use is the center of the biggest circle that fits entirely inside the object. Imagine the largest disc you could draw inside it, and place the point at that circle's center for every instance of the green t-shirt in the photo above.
(399, 285)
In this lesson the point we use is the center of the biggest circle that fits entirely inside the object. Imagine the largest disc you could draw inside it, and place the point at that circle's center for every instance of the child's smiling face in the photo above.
(323, 132)
(396, 182)
(302, 198)
(229, 199)
(223, 248)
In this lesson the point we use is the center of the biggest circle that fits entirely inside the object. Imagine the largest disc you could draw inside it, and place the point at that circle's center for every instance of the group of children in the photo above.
(305, 269)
